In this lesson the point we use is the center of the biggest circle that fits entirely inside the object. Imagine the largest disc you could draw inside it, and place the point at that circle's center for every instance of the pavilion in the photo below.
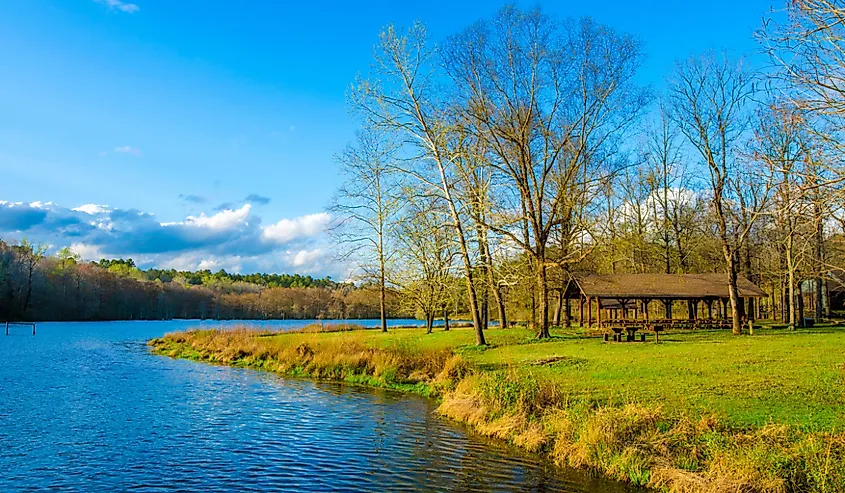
(620, 299)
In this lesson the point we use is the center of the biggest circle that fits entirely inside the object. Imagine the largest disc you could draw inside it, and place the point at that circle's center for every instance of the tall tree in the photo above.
(546, 98)
(402, 97)
(781, 144)
(366, 207)
(709, 98)
(429, 253)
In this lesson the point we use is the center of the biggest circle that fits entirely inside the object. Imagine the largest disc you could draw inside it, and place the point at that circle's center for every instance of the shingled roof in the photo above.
(660, 286)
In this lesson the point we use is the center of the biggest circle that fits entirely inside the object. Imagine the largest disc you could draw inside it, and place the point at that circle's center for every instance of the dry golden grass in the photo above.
(318, 328)
(643, 445)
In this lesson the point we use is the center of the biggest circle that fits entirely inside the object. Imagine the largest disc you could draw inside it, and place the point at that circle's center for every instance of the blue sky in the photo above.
(205, 131)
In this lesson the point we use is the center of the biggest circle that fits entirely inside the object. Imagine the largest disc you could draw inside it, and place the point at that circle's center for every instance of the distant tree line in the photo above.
(36, 286)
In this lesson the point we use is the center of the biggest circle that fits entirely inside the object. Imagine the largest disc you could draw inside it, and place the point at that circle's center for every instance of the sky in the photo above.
(202, 134)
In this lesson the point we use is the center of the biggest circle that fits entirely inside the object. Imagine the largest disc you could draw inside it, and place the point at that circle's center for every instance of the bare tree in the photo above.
(31, 255)
(546, 98)
(780, 143)
(709, 98)
(673, 201)
(402, 98)
(366, 207)
(425, 273)
(809, 50)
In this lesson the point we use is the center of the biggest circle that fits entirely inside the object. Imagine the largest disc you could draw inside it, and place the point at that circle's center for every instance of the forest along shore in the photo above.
(702, 411)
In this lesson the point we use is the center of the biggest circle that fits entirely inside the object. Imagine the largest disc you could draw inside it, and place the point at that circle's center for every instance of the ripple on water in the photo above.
(85, 407)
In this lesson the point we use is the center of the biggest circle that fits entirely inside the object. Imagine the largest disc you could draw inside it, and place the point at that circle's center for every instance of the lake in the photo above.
(86, 407)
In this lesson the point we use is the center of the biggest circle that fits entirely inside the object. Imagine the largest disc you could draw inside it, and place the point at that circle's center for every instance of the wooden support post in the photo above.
(7, 328)
(667, 307)
(589, 312)
(567, 313)
(598, 312)
(581, 311)
(645, 303)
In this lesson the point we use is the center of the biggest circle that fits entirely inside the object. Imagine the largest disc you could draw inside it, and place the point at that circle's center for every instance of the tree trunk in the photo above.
(470, 281)
(500, 303)
(800, 297)
(382, 295)
(533, 322)
(558, 309)
(736, 324)
(28, 296)
(819, 251)
(497, 291)
(543, 288)
(468, 271)
(567, 313)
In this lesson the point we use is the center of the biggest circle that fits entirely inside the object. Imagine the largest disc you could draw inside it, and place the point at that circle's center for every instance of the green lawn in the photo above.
(773, 376)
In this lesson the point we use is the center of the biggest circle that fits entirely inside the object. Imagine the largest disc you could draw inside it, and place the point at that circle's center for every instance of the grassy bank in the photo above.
(700, 412)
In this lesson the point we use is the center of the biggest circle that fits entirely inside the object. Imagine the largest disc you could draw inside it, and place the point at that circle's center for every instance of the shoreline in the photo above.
(645, 445)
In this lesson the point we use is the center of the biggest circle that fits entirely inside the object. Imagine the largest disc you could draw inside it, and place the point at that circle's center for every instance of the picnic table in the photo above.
(630, 330)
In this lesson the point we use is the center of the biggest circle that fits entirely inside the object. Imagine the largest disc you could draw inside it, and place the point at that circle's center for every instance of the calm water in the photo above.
(85, 407)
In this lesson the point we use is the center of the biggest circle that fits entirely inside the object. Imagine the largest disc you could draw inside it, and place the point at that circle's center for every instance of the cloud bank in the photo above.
(233, 238)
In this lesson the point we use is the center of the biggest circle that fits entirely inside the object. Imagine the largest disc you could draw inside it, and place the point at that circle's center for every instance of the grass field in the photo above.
(791, 377)
(701, 411)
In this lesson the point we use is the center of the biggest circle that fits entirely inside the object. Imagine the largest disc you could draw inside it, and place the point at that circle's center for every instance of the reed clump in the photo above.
(643, 444)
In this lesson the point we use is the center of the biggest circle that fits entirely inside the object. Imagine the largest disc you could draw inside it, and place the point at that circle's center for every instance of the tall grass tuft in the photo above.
(426, 372)
(643, 445)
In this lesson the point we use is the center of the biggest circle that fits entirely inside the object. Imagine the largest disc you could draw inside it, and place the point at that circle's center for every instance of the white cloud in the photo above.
(305, 257)
(87, 252)
(225, 219)
(41, 205)
(288, 230)
(129, 8)
(318, 260)
(128, 150)
(92, 209)
(214, 264)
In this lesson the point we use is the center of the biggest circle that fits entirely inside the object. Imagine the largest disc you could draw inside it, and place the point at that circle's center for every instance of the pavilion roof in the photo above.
(660, 286)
